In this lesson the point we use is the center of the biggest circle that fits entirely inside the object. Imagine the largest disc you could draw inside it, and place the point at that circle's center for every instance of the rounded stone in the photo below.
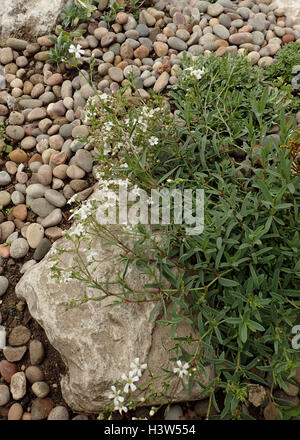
(6, 55)
(5, 178)
(16, 118)
(43, 247)
(55, 198)
(14, 354)
(54, 79)
(74, 172)
(18, 385)
(176, 43)
(3, 285)
(19, 249)
(28, 143)
(59, 413)
(240, 38)
(84, 160)
(15, 132)
(215, 9)
(5, 198)
(7, 370)
(4, 395)
(37, 114)
(41, 408)
(44, 175)
(15, 412)
(116, 74)
(81, 131)
(34, 235)
(60, 171)
(221, 31)
(40, 389)
(20, 212)
(41, 207)
(36, 190)
(19, 335)
(34, 374)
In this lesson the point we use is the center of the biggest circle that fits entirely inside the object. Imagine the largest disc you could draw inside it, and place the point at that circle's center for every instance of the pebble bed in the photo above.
(52, 158)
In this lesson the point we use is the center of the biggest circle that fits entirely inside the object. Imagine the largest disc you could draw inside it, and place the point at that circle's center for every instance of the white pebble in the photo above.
(2, 337)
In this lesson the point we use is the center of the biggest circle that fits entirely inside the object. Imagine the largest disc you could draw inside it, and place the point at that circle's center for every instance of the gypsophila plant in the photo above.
(286, 58)
(4, 147)
(64, 46)
(236, 283)
(76, 12)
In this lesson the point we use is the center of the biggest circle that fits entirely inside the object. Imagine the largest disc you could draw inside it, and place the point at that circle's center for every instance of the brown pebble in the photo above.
(54, 79)
(7, 370)
(20, 212)
(34, 374)
(4, 251)
(18, 156)
(26, 416)
(15, 412)
(121, 17)
(41, 408)
(19, 335)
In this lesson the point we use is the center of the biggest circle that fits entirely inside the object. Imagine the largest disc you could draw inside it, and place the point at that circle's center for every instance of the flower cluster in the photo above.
(197, 73)
(133, 376)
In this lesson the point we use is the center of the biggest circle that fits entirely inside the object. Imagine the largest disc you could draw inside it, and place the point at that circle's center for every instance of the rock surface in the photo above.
(98, 342)
(28, 17)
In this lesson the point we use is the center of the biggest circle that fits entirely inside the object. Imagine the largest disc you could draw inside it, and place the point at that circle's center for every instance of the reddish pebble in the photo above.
(4, 251)
(7, 370)
(41, 408)
(288, 38)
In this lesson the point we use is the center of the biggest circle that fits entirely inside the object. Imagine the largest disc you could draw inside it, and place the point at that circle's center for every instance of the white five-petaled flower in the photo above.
(137, 367)
(120, 407)
(132, 377)
(182, 369)
(76, 50)
(153, 141)
(197, 73)
(115, 395)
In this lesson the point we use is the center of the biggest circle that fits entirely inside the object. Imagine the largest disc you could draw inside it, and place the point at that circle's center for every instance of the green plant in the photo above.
(132, 6)
(76, 12)
(236, 283)
(4, 147)
(62, 43)
(286, 58)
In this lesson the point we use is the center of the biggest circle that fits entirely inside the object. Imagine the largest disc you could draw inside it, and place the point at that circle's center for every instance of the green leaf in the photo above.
(228, 283)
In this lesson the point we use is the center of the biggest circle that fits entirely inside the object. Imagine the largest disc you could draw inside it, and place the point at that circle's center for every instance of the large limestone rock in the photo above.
(28, 18)
(291, 7)
(98, 342)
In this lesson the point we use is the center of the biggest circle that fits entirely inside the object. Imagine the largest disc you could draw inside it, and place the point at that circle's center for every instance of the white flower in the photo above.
(198, 73)
(153, 140)
(120, 407)
(182, 369)
(115, 395)
(72, 199)
(76, 50)
(137, 367)
(132, 377)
